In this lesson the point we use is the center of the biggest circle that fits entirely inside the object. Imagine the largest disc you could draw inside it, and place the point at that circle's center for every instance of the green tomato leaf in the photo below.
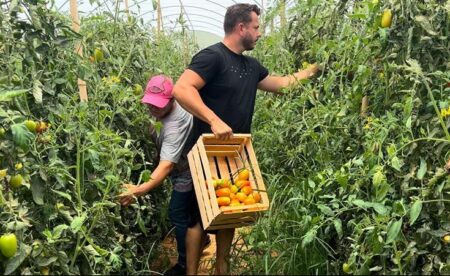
(15, 261)
(338, 226)
(414, 213)
(22, 137)
(396, 163)
(393, 230)
(309, 237)
(9, 95)
(325, 210)
(77, 223)
(422, 170)
(378, 178)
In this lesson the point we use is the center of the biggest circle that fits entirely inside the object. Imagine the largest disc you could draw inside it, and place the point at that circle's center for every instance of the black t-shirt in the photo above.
(231, 82)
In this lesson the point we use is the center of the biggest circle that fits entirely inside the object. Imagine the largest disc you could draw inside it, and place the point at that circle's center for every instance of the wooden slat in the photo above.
(204, 160)
(243, 207)
(210, 139)
(205, 213)
(228, 225)
(212, 165)
(231, 148)
(235, 216)
(257, 172)
(223, 168)
(222, 153)
(246, 219)
(208, 136)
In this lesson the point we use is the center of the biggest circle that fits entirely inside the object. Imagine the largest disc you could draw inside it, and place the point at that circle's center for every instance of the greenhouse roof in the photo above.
(198, 15)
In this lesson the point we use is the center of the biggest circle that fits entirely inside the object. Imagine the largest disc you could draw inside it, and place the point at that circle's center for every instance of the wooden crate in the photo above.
(210, 159)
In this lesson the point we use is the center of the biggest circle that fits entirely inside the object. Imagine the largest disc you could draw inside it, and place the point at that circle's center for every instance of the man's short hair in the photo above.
(238, 13)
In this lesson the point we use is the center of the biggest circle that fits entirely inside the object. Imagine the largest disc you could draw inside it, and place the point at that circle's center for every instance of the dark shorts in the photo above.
(195, 216)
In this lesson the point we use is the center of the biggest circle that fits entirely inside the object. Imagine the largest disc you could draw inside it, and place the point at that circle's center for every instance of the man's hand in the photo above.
(221, 130)
(313, 69)
(131, 192)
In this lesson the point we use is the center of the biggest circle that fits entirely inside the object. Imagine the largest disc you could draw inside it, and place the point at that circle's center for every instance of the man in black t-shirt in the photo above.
(219, 89)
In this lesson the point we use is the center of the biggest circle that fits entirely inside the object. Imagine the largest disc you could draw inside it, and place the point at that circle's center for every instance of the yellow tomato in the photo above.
(243, 174)
(346, 268)
(234, 189)
(386, 18)
(3, 173)
(223, 201)
(98, 54)
(18, 166)
(446, 239)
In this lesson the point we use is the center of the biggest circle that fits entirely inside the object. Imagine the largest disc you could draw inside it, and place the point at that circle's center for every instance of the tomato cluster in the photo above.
(238, 193)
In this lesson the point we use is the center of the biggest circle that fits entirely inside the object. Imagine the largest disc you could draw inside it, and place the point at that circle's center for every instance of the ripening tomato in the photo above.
(256, 196)
(234, 189)
(41, 127)
(241, 196)
(247, 190)
(98, 55)
(18, 166)
(235, 202)
(346, 268)
(3, 173)
(137, 89)
(241, 183)
(223, 201)
(446, 239)
(243, 174)
(249, 200)
(386, 18)
(225, 183)
(31, 125)
(223, 192)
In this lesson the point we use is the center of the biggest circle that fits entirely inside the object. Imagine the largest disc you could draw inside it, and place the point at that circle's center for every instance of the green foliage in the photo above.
(66, 215)
(346, 187)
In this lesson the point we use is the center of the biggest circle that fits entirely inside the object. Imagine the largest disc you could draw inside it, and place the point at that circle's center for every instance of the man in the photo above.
(171, 141)
(219, 89)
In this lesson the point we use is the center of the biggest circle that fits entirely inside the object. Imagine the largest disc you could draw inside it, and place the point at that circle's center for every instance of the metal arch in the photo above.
(195, 14)
(197, 21)
(189, 6)
(256, 2)
(216, 4)
(199, 28)
(196, 25)
(204, 29)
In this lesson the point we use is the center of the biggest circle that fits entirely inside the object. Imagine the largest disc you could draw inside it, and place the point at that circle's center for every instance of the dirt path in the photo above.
(167, 252)
(168, 256)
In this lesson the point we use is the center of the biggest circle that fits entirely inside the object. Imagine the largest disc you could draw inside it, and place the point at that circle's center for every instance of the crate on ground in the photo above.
(211, 159)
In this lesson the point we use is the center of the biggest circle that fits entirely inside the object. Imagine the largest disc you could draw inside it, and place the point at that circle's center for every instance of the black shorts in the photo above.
(195, 216)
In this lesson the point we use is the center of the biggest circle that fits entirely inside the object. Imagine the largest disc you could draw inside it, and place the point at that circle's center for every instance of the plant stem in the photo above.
(444, 127)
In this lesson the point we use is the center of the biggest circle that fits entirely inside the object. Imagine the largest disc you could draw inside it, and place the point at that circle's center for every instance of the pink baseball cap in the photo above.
(158, 91)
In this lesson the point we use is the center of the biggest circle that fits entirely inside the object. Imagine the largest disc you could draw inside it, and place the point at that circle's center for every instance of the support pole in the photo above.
(78, 47)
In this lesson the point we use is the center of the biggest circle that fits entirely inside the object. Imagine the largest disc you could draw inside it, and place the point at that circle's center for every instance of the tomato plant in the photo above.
(74, 156)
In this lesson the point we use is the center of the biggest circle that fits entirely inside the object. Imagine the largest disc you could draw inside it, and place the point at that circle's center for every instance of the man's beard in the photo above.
(248, 43)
